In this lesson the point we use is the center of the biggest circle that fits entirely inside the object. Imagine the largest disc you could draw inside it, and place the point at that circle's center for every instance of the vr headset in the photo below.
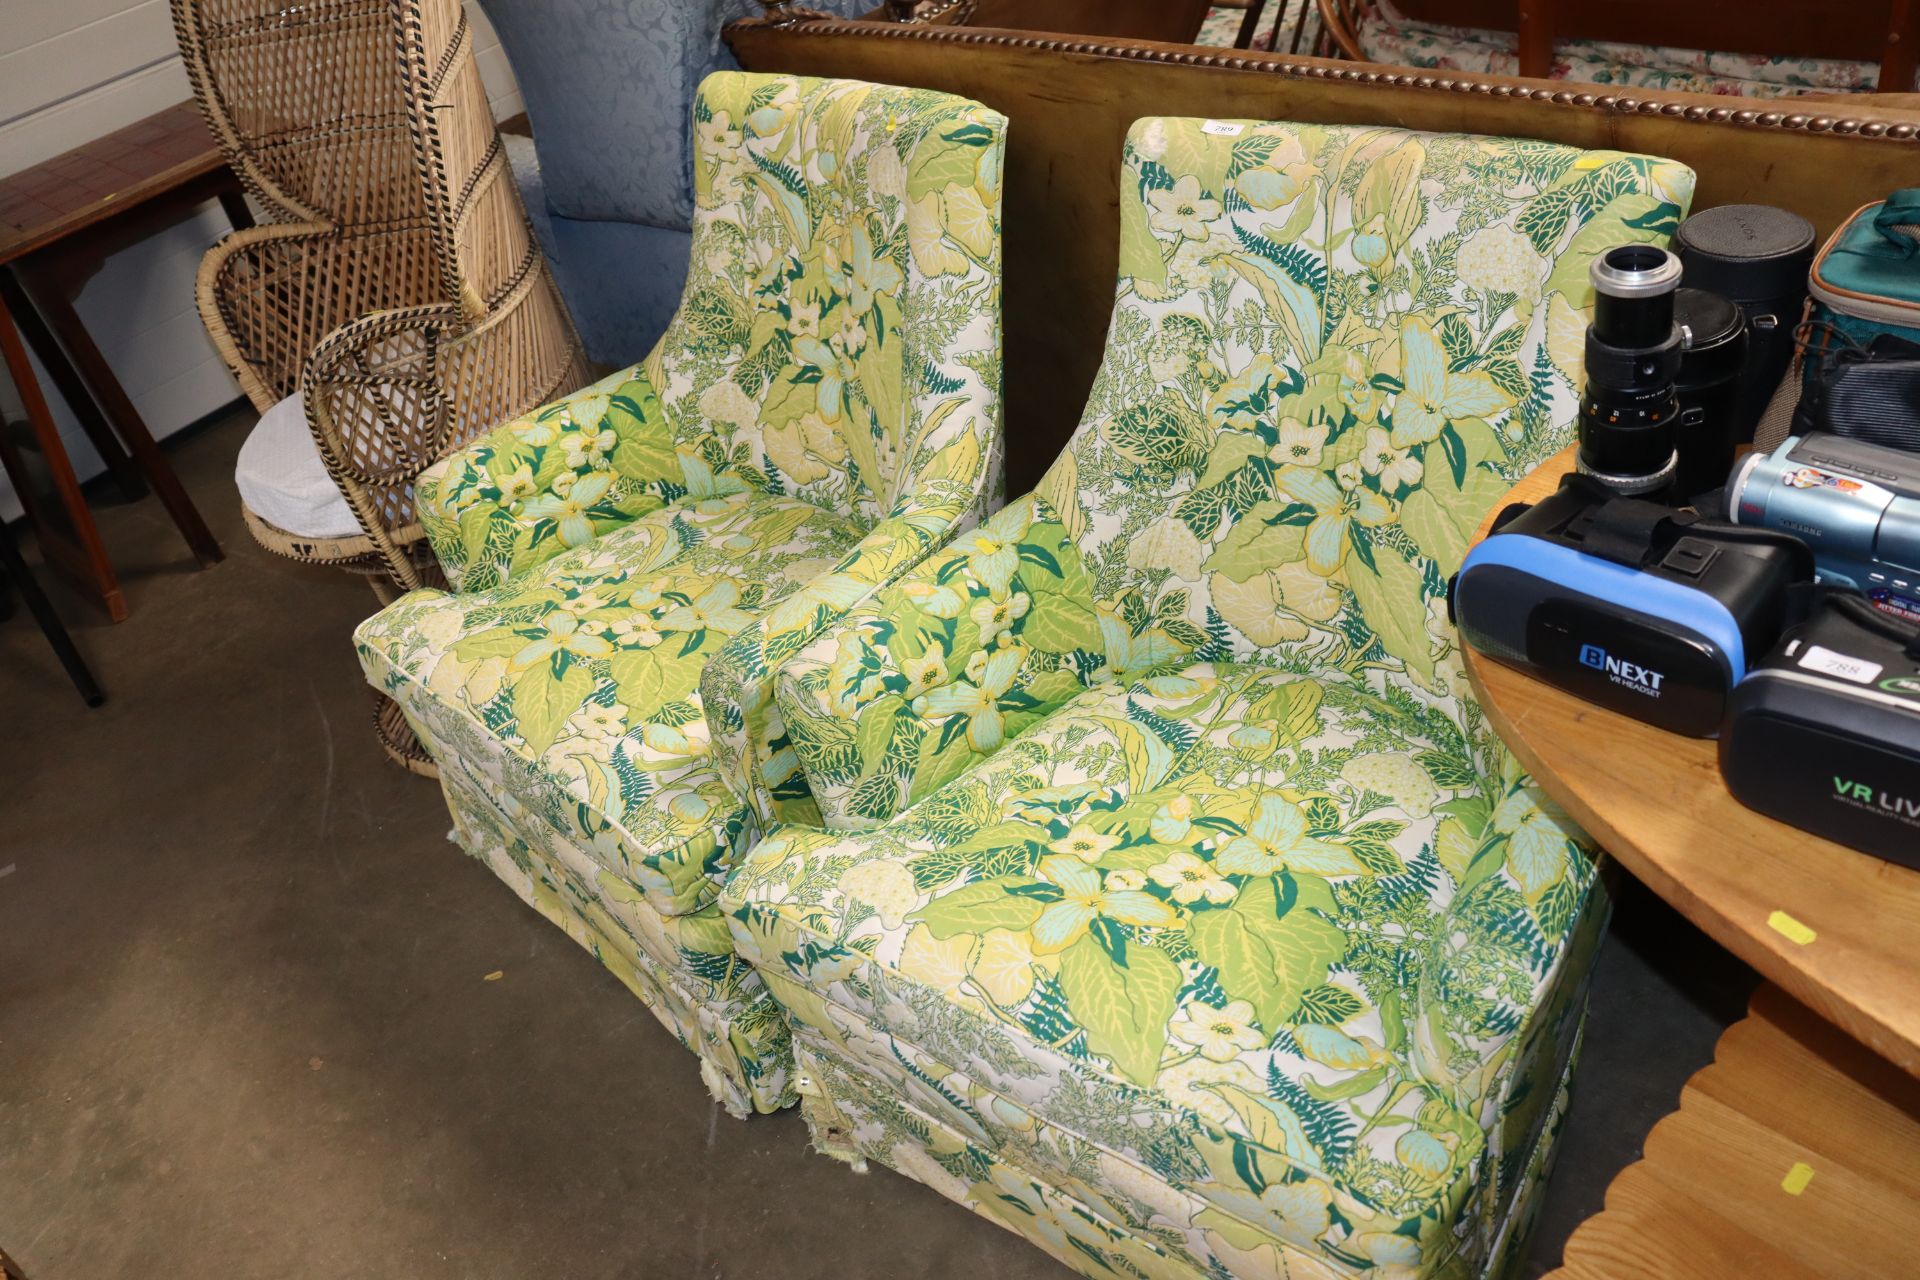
(1630, 604)
(1825, 733)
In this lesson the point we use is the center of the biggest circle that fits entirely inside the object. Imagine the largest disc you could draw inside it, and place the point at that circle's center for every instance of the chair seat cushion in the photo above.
(282, 480)
(1386, 36)
(577, 684)
(1250, 950)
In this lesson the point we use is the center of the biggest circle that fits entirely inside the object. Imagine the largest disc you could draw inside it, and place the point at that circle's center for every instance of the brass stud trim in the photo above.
(1323, 69)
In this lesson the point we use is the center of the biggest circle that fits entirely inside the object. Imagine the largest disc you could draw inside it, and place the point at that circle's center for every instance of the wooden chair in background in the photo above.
(1173, 21)
(1882, 31)
(1291, 32)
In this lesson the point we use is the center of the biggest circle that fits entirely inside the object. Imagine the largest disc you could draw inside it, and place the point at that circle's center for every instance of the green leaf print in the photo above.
(542, 702)
(1328, 1005)
(1123, 1009)
(649, 678)
(1394, 605)
(1267, 956)
(976, 908)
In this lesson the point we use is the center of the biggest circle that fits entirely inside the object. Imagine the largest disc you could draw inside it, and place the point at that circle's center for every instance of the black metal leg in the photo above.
(13, 568)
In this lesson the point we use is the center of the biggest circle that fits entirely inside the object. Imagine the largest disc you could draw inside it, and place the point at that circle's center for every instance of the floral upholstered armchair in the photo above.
(630, 565)
(1177, 910)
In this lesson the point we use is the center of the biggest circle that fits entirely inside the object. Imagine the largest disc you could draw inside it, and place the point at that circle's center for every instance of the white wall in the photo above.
(71, 70)
(502, 92)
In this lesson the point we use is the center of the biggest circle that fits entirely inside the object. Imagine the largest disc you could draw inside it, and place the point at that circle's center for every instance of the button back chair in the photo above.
(394, 303)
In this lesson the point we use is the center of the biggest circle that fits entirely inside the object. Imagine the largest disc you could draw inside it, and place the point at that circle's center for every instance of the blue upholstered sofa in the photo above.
(608, 86)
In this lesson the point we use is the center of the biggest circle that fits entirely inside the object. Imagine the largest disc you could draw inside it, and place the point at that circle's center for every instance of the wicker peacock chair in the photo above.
(395, 284)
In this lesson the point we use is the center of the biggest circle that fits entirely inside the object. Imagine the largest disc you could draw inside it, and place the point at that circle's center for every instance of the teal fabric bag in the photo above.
(1865, 282)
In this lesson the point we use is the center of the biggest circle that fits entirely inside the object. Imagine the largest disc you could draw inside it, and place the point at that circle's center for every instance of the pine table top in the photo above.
(1837, 929)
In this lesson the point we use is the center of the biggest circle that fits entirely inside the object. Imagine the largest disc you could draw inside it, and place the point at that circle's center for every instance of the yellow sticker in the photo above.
(1797, 1178)
(1790, 929)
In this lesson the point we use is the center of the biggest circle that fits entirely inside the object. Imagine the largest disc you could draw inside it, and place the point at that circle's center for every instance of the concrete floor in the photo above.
(245, 1029)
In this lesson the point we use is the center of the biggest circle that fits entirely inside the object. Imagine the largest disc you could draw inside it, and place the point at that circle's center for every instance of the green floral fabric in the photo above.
(1263, 938)
(1179, 910)
(530, 490)
(838, 343)
(683, 967)
(1332, 350)
(630, 565)
(585, 678)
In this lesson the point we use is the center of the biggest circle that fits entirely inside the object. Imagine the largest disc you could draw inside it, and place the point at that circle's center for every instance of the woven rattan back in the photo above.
(362, 114)
(307, 105)
(402, 253)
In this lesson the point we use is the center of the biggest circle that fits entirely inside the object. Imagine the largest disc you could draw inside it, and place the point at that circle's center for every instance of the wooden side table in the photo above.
(1794, 1156)
(1837, 929)
(58, 220)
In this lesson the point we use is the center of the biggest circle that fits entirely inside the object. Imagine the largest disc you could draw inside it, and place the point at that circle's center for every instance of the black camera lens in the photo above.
(1633, 296)
(1629, 410)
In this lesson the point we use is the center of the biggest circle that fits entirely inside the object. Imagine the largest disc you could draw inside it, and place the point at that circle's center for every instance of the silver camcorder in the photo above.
(1857, 505)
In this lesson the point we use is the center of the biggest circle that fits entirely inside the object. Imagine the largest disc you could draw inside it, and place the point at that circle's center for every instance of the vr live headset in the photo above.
(1825, 733)
(1629, 604)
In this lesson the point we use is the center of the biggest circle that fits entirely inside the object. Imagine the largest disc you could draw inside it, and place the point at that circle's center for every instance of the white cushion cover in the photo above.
(282, 480)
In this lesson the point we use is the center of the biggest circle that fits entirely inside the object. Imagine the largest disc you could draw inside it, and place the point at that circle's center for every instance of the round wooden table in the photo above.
(1837, 929)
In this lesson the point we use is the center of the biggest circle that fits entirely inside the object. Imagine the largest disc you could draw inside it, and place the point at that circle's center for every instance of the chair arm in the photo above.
(552, 480)
(749, 741)
(388, 395)
(1340, 19)
(269, 294)
(936, 670)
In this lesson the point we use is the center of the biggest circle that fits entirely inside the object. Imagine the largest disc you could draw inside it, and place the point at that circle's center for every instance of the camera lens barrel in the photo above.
(1630, 410)
(1633, 288)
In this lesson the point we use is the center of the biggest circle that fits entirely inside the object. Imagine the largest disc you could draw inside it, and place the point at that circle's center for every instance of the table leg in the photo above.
(233, 200)
(14, 569)
(58, 312)
(72, 389)
(81, 555)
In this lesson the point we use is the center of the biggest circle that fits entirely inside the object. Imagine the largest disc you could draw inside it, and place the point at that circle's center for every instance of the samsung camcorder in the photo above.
(1856, 505)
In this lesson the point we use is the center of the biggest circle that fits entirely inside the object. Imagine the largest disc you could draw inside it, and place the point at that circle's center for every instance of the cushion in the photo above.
(282, 480)
(1250, 941)
(578, 682)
